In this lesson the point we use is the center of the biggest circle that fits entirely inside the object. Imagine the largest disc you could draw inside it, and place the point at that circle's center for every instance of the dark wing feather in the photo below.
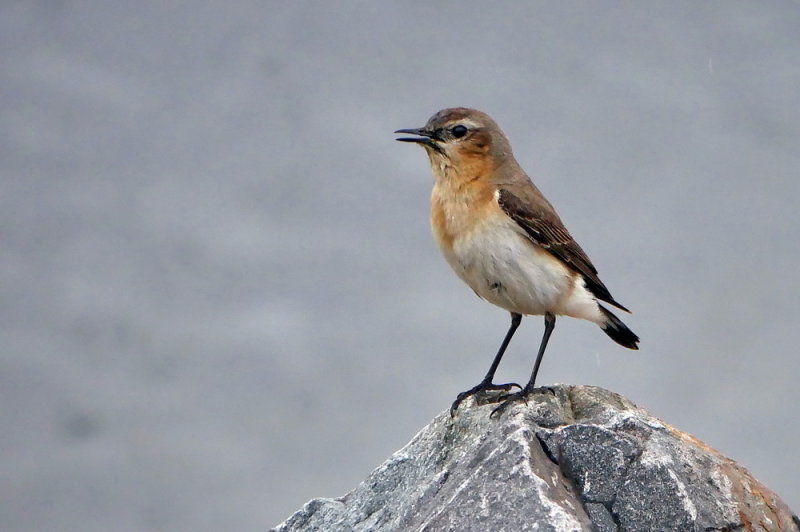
(545, 229)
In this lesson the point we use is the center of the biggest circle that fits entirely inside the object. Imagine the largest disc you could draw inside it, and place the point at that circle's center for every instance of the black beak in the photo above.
(426, 136)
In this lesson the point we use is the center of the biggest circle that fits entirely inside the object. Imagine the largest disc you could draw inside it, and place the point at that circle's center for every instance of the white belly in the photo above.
(505, 268)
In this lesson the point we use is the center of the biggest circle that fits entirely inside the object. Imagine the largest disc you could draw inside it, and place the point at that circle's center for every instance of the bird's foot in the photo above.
(484, 390)
(521, 395)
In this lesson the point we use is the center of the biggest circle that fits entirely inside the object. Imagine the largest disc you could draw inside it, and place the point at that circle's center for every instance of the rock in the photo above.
(573, 458)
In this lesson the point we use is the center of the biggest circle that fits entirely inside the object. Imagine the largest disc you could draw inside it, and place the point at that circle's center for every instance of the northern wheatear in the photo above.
(504, 239)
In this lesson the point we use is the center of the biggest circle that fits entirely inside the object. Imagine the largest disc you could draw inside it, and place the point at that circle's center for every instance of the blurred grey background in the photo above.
(220, 296)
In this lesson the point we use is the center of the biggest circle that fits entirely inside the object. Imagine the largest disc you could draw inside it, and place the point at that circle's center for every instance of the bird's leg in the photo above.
(486, 384)
(549, 325)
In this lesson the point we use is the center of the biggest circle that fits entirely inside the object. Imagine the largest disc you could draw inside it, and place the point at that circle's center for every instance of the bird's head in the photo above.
(461, 139)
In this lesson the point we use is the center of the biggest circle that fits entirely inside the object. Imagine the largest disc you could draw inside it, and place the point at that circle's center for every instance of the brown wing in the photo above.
(545, 229)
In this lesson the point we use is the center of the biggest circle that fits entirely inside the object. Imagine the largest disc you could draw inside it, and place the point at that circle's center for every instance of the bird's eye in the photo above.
(459, 131)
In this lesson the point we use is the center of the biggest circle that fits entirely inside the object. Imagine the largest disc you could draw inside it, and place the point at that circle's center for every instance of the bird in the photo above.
(503, 238)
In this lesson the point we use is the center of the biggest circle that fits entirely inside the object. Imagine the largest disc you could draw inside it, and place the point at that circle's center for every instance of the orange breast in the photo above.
(458, 207)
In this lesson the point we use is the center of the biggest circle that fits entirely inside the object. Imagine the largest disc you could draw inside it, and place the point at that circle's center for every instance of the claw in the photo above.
(481, 389)
(520, 395)
(509, 399)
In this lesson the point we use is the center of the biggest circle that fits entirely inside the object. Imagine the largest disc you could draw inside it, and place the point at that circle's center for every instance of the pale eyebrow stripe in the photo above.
(463, 122)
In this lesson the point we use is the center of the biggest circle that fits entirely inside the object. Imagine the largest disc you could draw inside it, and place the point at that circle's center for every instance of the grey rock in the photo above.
(573, 458)
(601, 517)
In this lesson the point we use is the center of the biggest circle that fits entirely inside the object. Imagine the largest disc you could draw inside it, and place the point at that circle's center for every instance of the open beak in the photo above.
(423, 136)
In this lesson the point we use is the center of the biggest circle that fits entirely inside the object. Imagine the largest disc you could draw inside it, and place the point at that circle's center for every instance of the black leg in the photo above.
(486, 383)
(516, 319)
(549, 325)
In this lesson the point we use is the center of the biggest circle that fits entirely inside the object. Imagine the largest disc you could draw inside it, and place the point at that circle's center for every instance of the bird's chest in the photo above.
(473, 237)
(457, 217)
(487, 251)
(486, 254)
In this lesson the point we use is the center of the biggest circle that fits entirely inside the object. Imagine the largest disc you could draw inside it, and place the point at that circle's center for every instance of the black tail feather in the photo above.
(618, 331)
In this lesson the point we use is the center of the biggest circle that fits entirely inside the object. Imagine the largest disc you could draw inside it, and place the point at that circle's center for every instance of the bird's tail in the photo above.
(618, 331)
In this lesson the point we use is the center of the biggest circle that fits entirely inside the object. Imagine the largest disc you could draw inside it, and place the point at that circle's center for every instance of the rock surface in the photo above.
(573, 458)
